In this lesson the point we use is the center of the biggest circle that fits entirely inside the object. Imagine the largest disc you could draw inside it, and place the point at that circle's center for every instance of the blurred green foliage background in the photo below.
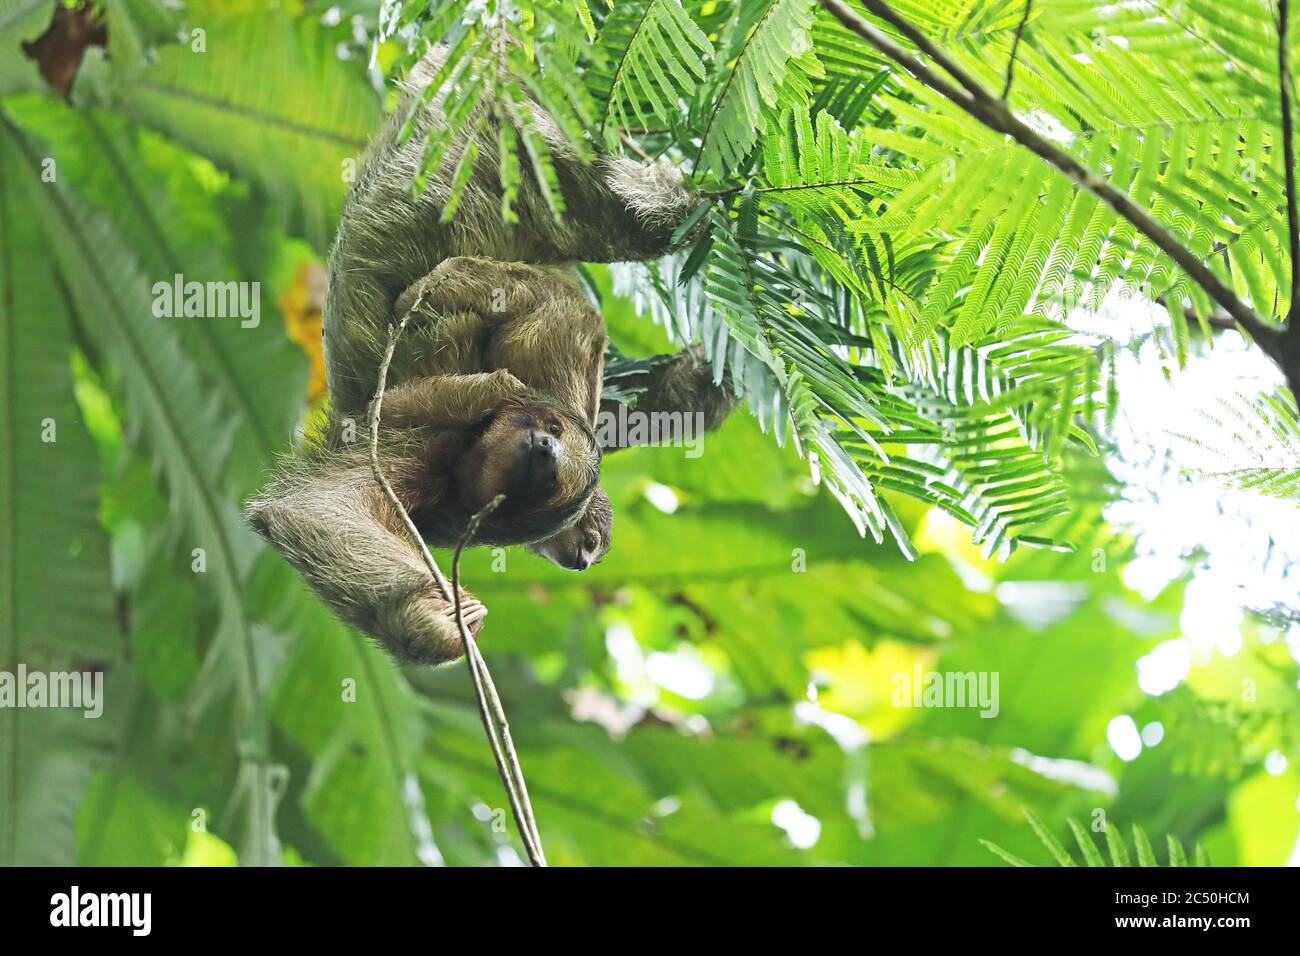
(717, 691)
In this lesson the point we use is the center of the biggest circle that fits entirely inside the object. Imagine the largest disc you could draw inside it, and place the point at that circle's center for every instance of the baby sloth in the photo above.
(683, 384)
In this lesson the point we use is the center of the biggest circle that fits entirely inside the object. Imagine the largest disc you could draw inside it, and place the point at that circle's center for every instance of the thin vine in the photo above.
(492, 714)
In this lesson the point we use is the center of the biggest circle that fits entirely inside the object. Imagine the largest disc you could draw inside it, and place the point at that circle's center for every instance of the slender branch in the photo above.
(489, 702)
(1288, 158)
(919, 40)
(1015, 48)
(517, 788)
(633, 145)
(1264, 335)
(825, 184)
(376, 405)
(996, 116)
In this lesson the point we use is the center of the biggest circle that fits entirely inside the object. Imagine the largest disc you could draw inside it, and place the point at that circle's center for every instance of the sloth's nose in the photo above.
(541, 464)
(544, 445)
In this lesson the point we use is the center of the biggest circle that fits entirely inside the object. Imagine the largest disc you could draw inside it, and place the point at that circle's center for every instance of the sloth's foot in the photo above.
(422, 629)
(472, 612)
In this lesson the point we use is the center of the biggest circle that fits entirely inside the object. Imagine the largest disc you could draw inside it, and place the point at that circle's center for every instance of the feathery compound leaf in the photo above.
(519, 78)
(583, 12)
(508, 171)
(1004, 854)
(460, 180)
(1049, 840)
(1177, 857)
(826, 178)
(791, 378)
(1115, 844)
(775, 55)
(655, 55)
(536, 150)
(1142, 845)
(1253, 444)
(1091, 855)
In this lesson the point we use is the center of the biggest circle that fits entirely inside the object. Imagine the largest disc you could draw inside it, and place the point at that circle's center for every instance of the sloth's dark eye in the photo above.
(555, 429)
(591, 542)
(551, 486)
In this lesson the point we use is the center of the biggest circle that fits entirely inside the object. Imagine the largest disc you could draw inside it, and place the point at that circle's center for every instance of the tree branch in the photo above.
(996, 116)
(1288, 158)
(1265, 336)
(1015, 48)
(912, 33)
(489, 703)
(633, 145)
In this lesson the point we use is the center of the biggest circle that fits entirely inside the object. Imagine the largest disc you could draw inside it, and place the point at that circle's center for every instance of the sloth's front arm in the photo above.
(330, 520)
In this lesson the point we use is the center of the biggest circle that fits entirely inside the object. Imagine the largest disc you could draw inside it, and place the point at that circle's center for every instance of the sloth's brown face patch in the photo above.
(541, 458)
(583, 545)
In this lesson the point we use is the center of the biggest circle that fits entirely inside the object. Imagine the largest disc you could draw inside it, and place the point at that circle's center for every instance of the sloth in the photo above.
(615, 210)
(494, 388)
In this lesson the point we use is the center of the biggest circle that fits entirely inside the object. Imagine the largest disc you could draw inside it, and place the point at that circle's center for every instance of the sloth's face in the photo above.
(581, 546)
(534, 454)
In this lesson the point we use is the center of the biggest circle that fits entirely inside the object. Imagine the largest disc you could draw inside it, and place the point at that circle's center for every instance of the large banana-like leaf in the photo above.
(171, 411)
(339, 698)
(157, 202)
(20, 21)
(56, 600)
(172, 414)
(267, 98)
(593, 805)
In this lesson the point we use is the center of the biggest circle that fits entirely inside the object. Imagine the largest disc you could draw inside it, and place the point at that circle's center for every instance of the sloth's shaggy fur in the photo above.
(496, 350)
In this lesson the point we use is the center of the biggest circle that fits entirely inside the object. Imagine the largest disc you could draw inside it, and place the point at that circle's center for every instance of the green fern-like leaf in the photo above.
(1254, 442)
(654, 57)
(774, 54)
(1091, 856)
(1119, 855)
